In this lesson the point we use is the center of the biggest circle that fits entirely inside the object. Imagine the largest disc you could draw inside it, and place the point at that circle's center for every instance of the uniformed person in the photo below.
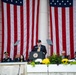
(7, 58)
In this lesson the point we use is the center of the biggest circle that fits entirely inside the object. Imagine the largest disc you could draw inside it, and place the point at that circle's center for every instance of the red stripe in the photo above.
(71, 32)
(22, 30)
(33, 12)
(56, 27)
(15, 29)
(63, 29)
(2, 32)
(51, 52)
(27, 45)
(8, 29)
(37, 20)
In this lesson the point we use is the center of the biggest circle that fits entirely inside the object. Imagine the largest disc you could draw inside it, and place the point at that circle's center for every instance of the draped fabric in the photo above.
(19, 26)
(63, 26)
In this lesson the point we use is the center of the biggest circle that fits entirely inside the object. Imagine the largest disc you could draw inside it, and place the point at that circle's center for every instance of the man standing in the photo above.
(39, 47)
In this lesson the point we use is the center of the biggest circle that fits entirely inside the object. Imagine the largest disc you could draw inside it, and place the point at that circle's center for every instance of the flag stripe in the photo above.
(51, 30)
(25, 27)
(22, 30)
(74, 18)
(71, 32)
(67, 32)
(18, 29)
(2, 33)
(12, 31)
(5, 27)
(33, 8)
(56, 27)
(60, 29)
(27, 44)
(37, 20)
(8, 29)
(30, 29)
(64, 29)
(15, 29)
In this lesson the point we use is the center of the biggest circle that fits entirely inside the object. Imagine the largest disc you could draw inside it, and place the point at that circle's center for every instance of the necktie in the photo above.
(38, 49)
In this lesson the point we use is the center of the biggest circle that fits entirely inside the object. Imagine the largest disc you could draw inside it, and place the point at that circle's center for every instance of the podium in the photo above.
(35, 55)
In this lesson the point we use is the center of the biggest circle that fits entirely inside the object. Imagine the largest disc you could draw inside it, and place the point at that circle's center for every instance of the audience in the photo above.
(20, 58)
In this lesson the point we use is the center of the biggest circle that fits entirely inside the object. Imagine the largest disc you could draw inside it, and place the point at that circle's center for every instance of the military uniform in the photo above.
(7, 60)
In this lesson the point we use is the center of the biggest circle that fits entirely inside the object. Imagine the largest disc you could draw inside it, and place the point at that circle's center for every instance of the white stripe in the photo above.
(54, 33)
(60, 29)
(25, 27)
(18, 29)
(5, 26)
(30, 31)
(12, 31)
(50, 37)
(35, 17)
(74, 21)
(67, 32)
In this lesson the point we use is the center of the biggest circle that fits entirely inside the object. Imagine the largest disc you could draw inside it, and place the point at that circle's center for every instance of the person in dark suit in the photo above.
(7, 58)
(75, 56)
(39, 47)
(17, 58)
(63, 54)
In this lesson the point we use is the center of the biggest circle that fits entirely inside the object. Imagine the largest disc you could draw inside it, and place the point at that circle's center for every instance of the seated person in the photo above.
(17, 58)
(63, 55)
(22, 58)
(7, 58)
(75, 55)
(68, 57)
(39, 47)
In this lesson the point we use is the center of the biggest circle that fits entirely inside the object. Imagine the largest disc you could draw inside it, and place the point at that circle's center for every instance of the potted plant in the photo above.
(55, 59)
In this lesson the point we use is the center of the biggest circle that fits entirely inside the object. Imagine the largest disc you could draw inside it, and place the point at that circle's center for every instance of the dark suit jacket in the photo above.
(42, 48)
(7, 60)
(17, 60)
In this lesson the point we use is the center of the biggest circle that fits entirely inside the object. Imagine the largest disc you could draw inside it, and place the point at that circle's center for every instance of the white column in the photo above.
(43, 22)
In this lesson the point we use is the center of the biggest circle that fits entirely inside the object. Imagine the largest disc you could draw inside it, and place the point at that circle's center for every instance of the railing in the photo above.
(22, 68)
(18, 68)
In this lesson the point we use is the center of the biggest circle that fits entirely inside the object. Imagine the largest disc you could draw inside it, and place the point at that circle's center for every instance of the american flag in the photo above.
(19, 26)
(63, 26)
